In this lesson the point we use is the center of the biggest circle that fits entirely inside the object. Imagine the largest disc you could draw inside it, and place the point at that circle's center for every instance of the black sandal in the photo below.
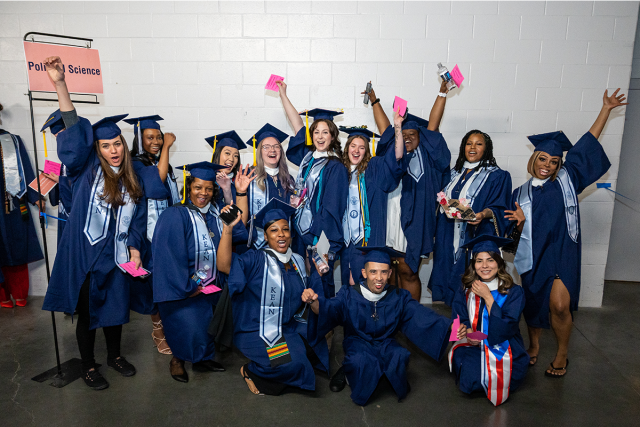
(243, 371)
(553, 368)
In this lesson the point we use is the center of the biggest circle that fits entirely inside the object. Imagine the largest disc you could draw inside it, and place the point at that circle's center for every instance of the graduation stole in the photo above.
(273, 296)
(352, 222)
(14, 180)
(523, 260)
(205, 250)
(173, 187)
(469, 191)
(213, 210)
(62, 210)
(312, 177)
(416, 166)
(259, 199)
(496, 360)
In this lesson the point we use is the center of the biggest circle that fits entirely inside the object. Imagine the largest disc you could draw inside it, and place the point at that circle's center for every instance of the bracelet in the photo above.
(442, 95)
(241, 194)
(375, 102)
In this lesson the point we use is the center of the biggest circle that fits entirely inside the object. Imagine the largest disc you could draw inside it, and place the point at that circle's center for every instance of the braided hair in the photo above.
(487, 157)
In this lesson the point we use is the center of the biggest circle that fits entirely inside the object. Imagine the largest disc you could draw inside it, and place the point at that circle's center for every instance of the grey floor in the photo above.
(602, 386)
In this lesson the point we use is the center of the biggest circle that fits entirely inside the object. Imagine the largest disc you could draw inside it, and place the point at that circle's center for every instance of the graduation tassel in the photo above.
(139, 139)
(184, 183)
(373, 145)
(44, 138)
(215, 142)
(254, 151)
(308, 134)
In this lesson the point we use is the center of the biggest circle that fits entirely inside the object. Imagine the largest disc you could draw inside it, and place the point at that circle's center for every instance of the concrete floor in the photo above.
(601, 388)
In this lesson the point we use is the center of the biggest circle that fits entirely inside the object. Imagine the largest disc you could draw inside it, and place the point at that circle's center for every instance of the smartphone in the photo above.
(231, 215)
(146, 274)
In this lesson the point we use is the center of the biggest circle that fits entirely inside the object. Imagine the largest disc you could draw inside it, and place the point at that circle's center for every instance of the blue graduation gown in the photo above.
(155, 189)
(60, 196)
(382, 176)
(19, 241)
(369, 345)
(185, 319)
(418, 201)
(245, 289)
(554, 253)
(446, 274)
(76, 257)
(327, 206)
(504, 324)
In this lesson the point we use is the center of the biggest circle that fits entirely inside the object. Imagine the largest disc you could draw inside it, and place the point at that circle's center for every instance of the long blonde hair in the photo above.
(283, 170)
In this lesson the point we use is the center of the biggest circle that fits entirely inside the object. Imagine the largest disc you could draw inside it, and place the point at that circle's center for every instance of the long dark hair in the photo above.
(470, 275)
(189, 181)
(216, 159)
(335, 145)
(113, 181)
(362, 166)
(487, 157)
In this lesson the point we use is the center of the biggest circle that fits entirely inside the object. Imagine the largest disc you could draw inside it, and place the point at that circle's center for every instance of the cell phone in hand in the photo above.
(231, 215)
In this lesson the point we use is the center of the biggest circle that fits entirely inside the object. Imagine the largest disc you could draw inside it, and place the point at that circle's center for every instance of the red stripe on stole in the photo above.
(500, 378)
(488, 367)
(477, 314)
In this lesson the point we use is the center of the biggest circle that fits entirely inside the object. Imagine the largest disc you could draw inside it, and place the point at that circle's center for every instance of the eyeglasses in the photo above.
(268, 148)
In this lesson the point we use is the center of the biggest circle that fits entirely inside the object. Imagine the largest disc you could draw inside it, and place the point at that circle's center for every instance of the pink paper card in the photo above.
(454, 329)
(52, 167)
(130, 267)
(477, 335)
(271, 84)
(457, 76)
(400, 105)
(210, 289)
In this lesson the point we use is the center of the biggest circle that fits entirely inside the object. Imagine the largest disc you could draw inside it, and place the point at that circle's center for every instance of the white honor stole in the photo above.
(273, 293)
(353, 229)
(96, 226)
(14, 179)
(155, 207)
(304, 216)
(205, 250)
(259, 199)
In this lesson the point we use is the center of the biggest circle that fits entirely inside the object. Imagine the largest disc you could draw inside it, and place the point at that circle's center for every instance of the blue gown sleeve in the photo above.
(437, 151)
(171, 258)
(459, 307)
(504, 322)
(296, 150)
(244, 268)
(424, 327)
(138, 227)
(331, 313)
(498, 199)
(66, 193)
(240, 234)
(54, 195)
(586, 162)
(153, 186)
(385, 170)
(333, 203)
(75, 147)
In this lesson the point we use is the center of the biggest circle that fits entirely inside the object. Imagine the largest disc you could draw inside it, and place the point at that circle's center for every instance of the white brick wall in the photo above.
(530, 67)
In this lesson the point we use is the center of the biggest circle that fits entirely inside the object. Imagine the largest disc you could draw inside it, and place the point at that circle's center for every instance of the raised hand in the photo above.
(517, 215)
(481, 289)
(55, 69)
(235, 221)
(282, 88)
(169, 139)
(397, 119)
(244, 178)
(443, 87)
(223, 181)
(613, 101)
(372, 94)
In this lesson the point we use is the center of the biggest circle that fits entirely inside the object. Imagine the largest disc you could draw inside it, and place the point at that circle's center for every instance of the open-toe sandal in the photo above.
(553, 369)
(252, 387)
(157, 341)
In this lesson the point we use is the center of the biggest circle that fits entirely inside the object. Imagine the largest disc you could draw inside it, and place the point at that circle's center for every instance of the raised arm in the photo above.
(223, 260)
(289, 109)
(163, 163)
(243, 180)
(608, 104)
(55, 69)
(435, 117)
(397, 129)
(380, 117)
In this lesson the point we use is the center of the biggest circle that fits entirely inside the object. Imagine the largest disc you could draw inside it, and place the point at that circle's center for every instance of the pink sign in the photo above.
(400, 105)
(52, 167)
(457, 76)
(130, 267)
(271, 84)
(210, 289)
(81, 67)
(454, 329)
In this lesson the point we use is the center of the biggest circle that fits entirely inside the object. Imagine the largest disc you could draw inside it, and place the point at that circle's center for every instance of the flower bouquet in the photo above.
(456, 208)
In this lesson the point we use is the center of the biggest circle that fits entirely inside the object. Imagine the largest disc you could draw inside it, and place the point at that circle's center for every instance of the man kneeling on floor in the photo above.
(371, 313)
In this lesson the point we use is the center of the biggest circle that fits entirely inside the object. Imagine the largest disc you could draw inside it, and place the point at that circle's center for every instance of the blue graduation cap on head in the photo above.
(274, 211)
(205, 171)
(107, 127)
(363, 132)
(379, 254)
(486, 243)
(317, 114)
(142, 123)
(54, 122)
(414, 122)
(227, 139)
(266, 131)
(552, 143)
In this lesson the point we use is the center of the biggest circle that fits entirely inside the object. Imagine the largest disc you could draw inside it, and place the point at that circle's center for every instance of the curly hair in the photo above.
(470, 275)
(362, 166)
(335, 145)
(487, 157)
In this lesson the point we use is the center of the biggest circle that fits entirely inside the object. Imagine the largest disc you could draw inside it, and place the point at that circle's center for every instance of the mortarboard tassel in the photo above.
(254, 151)
(215, 142)
(44, 138)
(184, 183)
(373, 145)
(308, 135)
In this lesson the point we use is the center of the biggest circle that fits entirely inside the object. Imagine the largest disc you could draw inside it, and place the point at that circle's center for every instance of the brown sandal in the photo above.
(157, 326)
(533, 360)
(252, 387)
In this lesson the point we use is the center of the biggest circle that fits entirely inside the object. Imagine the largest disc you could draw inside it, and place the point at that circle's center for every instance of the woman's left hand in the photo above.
(481, 289)
(237, 220)
(480, 216)
(134, 256)
(613, 101)
(243, 178)
(223, 181)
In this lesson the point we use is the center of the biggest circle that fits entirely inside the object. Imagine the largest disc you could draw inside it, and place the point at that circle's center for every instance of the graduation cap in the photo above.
(142, 123)
(227, 139)
(274, 211)
(414, 122)
(552, 143)
(107, 127)
(318, 114)
(486, 243)
(54, 122)
(266, 131)
(205, 171)
(363, 132)
(379, 254)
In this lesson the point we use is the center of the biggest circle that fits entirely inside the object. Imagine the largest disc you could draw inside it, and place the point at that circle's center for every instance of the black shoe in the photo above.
(338, 381)
(94, 380)
(178, 373)
(123, 367)
(208, 366)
